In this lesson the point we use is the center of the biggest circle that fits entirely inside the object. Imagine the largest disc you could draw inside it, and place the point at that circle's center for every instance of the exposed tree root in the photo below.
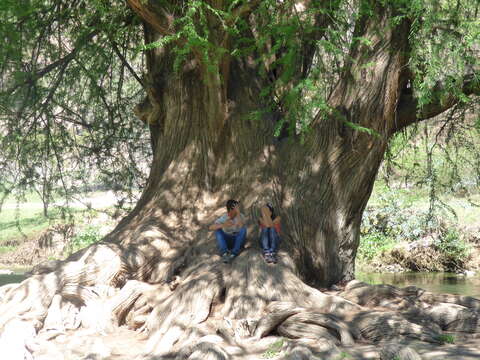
(192, 306)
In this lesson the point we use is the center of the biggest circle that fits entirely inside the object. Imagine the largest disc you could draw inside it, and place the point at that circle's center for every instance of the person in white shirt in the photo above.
(230, 232)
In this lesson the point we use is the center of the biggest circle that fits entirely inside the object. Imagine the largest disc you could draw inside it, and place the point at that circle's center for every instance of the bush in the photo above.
(373, 244)
(86, 237)
(393, 220)
(455, 252)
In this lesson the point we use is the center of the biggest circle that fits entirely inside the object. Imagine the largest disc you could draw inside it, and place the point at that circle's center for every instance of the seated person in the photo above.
(270, 233)
(230, 231)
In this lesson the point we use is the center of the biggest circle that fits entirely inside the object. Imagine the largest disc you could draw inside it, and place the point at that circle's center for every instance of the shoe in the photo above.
(231, 256)
(273, 257)
(226, 257)
(268, 258)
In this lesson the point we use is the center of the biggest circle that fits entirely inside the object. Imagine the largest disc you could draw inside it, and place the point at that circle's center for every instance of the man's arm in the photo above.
(215, 226)
(240, 221)
(220, 223)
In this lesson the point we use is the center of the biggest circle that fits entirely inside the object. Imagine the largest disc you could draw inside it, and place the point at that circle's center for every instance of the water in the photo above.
(439, 283)
(16, 277)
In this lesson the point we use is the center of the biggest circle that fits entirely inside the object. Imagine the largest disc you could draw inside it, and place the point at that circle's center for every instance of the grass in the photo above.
(20, 221)
(446, 339)
(273, 350)
(17, 225)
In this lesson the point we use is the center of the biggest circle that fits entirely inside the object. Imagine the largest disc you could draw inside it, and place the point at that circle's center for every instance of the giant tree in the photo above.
(290, 101)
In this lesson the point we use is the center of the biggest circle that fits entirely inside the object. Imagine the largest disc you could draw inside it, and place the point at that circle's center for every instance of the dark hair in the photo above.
(272, 210)
(231, 204)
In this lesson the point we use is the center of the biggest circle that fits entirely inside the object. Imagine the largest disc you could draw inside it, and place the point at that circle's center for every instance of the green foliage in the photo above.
(4, 249)
(16, 224)
(66, 100)
(344, 355)
(86, 237)
(371, 245)
(446, 338)
(455, 251)
(274, 349)
(395, 217)
(444, 36)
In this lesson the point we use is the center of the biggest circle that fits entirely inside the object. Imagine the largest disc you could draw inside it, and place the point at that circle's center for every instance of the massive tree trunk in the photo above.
(157, 272)
(209, 147)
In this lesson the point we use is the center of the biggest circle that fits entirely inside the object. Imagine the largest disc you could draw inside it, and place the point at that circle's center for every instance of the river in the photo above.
(439, 283)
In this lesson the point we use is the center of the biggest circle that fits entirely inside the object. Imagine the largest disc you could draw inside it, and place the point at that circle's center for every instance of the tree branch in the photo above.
(407, 109)
(156, 17)
(244, 10)
(62, 62)
(125, 62)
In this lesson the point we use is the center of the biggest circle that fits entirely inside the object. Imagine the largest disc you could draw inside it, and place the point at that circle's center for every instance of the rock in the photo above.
(6, 272)
(454, 317)
(467, 273)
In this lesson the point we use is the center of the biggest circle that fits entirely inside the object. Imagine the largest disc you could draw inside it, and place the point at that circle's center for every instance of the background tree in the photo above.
(292, 101)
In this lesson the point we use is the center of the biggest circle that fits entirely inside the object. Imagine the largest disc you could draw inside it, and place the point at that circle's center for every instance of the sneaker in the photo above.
(268, 258)
(273, 257)
(231, 256)
(226, 257)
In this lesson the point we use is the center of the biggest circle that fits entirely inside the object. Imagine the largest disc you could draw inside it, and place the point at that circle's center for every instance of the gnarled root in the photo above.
(197, 307)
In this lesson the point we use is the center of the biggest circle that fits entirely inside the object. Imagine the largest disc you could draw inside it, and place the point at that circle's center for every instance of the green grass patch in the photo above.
(22, 223)
(5, 249)
(372, 245)
(88, 236)
(344, 355)
(18, 224)
(273, 350)
(446, 338)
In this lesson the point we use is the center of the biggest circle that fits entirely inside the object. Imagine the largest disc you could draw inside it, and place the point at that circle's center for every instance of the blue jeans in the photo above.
(232, 242)
(269, 240)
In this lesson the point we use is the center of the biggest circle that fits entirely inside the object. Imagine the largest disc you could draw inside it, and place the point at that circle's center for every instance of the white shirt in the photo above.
(238, 222)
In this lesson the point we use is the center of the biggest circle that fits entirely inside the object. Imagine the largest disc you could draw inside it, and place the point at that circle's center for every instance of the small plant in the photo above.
(344, 355)
(273, 350)
(446, 338)
(454, 250)
(88, 236)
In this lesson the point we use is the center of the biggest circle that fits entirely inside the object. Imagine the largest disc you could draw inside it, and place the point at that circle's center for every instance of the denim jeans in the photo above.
(232, 242)
(269, 240)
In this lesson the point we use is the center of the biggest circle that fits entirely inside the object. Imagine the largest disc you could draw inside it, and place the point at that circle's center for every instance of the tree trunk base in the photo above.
(109, 302)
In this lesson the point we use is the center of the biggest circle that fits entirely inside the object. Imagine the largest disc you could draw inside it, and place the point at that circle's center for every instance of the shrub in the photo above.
(455, 251)
(373, 244)
(446, 338)
(86, 237)
(425, 235)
